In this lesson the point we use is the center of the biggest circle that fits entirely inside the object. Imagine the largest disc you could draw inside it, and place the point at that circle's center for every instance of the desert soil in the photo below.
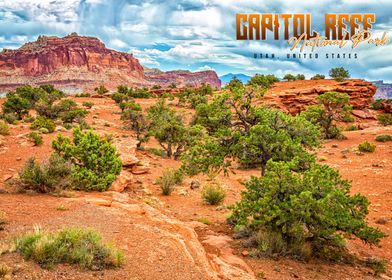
(161, 236)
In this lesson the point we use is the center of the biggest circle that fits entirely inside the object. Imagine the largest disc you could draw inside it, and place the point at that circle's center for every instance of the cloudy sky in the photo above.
(195, 35)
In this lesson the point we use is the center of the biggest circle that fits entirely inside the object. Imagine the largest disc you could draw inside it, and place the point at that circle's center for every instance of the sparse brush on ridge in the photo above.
(83, 247)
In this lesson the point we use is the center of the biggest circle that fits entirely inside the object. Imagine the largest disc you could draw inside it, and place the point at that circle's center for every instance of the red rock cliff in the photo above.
(294, 97)
(76, 63)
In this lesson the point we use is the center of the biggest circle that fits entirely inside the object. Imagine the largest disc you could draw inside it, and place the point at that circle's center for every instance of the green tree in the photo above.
(333, 106)
(135, 119)
(311, 207)
(95, 161)
(289, 77)
(16, 105)
(234, 83)
(300, 77)
(264, 81)
(318, 77)
(339, 74)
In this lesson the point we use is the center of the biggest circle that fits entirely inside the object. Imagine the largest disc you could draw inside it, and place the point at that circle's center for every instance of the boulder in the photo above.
(123, 181)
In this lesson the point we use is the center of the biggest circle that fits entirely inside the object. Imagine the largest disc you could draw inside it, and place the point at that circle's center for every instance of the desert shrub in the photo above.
(352, 127)
(4, 128)
(46, 177)
(10, 118)
(101, 90)
(385, 119)
(16, 105)
(75, 115)
(83, 94)
(71, 245)
(333, 106)
(213, 194)
(170, 131)
(88, 105)
(313, 207)
(234, 83)
(384, 138)
(318, 77)
(139, 93)
(138, 122)
(118, 97)
(339, 74)
(42, 122)
(377, 104)
(95, 160)
(367, 147)
(378, 266)
(300, 77)
(169, 179)
(36, 138)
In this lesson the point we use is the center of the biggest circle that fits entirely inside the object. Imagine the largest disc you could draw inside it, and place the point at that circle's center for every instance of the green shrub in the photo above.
(385, 119)
(213, 194)
(298, 209)
(384, 138)
(101, 90)
(36, 138)
(75, 115)
(73, 246)
(367, 147)
(352, 127)
(169, 179)
(318, 77)
(46, 177)
(42, 122)
(378, 266)
(95, 160)
(88, 105)
(376, 105)
(4, 128)
(10, 118)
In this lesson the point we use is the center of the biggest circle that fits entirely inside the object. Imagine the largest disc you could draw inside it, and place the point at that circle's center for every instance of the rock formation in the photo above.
(294, 97)
(182, 78)
(75, 63)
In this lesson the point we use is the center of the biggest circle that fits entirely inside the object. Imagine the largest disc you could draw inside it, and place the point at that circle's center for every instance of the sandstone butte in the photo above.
(75, 63)
(294, 97)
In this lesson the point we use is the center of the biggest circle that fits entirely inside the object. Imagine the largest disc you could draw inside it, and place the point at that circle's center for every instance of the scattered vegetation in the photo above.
(88, 105)
(101, 90)
(289, 77)
(367, 147)
(83, 247)
(384, 138)
(213, 194)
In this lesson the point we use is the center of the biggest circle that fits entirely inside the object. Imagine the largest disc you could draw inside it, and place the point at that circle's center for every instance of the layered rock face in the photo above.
(183, 78)
(296, 96)
(76, 63)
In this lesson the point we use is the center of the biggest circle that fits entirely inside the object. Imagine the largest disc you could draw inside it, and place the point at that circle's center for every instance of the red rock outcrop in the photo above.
(183, 78)
(294, 97)
(76, 63)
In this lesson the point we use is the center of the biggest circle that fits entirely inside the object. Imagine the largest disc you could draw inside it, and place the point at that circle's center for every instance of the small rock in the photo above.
(122, 181)
(245, 253)
(138, 170)
(18, 158)
(7, 177)
(195, 184)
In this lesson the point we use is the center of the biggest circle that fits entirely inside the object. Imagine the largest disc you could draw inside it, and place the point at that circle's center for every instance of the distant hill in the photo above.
(227, 78)
(384, 91)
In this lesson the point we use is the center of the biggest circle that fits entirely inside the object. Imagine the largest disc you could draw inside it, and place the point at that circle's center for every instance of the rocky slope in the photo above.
(294, 97)
(75, 63)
